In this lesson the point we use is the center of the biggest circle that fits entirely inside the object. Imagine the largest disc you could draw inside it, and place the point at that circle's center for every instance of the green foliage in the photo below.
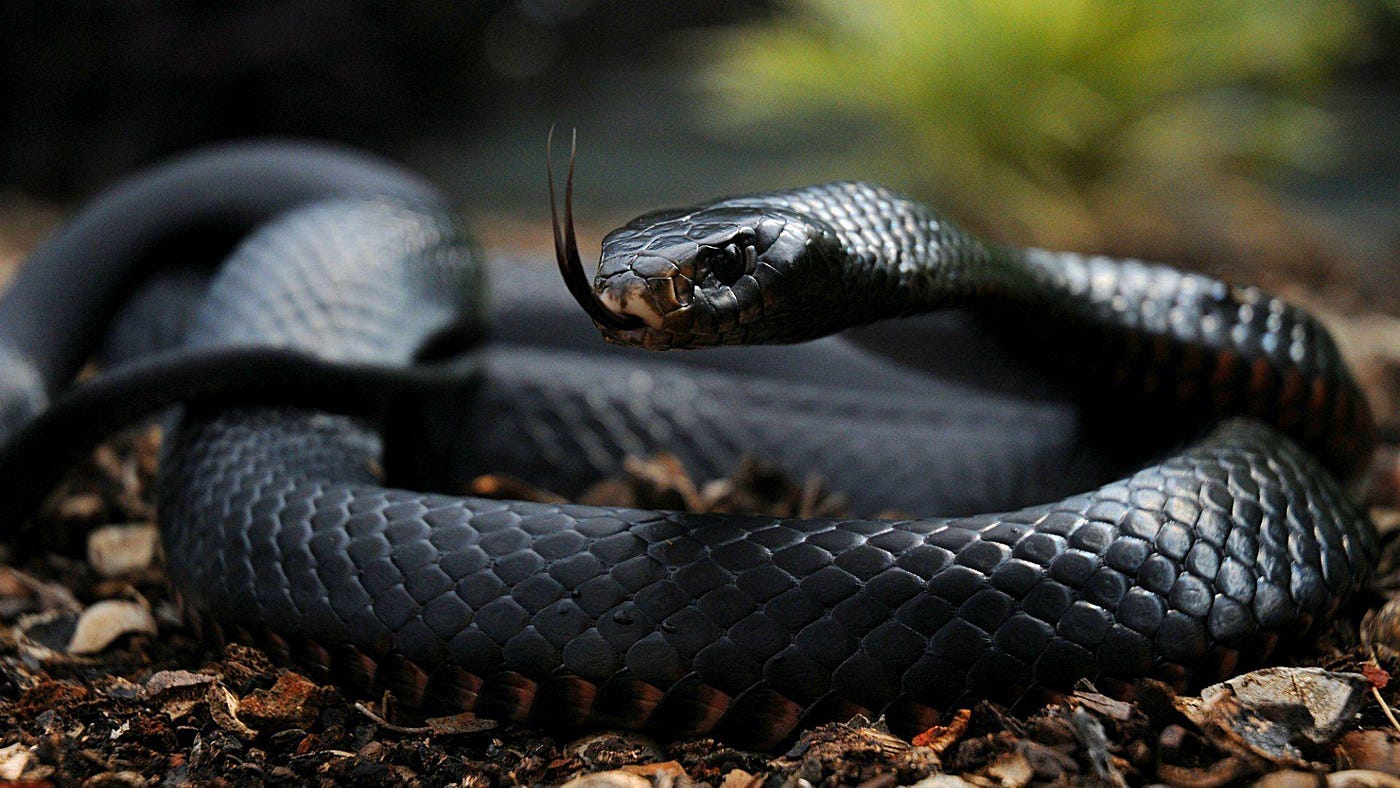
(1038, 116)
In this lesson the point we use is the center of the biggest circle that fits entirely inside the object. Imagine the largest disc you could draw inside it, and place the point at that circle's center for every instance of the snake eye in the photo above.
(731, 262)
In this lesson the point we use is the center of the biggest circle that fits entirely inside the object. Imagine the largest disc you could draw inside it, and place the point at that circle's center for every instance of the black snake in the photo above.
(351, 291)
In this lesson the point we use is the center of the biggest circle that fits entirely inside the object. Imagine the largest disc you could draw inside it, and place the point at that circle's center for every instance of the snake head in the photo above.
(720, 275)
(739, 271)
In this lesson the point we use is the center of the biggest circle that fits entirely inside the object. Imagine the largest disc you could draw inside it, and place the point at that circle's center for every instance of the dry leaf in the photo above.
(1272, 713)
(465, 722)
(223, 709)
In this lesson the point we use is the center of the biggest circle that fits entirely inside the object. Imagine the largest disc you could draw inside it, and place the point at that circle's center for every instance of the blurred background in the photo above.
(1257, 139)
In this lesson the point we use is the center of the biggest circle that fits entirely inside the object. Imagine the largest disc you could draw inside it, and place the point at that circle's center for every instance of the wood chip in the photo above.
(941, 737)
(223, 709)
(167, 681)
(1375, 750)
(612, 779)
(104, 622)
(14, 759)
(738, 778)
(1357, 778)
(116, 550)
(671, 769)
(1012, 769)
(1104, 706)
(293, 702)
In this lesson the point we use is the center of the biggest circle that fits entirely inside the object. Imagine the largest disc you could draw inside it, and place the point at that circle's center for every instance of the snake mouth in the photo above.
(566, 247)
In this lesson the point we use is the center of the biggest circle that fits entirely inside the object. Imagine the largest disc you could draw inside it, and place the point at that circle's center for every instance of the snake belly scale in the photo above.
(278, 524)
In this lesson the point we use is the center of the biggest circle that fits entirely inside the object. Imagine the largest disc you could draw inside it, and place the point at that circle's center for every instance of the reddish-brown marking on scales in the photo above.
(456, 688)
(690, 708)
(764, 715)
(313, 655)
(1261, 377)
(1316, 409)
(902, 714)
(626, 698)
(565, 699)
(407, 681)
(508, 696)
(1290, 399)
(1226, 367)
(1188, 379)
(354, 668)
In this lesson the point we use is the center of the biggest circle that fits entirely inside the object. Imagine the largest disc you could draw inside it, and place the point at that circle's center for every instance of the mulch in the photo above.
(102, 683)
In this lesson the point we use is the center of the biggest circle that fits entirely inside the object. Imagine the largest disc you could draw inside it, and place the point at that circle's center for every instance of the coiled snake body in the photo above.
(356, 284)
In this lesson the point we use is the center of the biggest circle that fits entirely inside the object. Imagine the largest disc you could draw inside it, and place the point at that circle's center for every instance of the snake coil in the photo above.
(305, 354)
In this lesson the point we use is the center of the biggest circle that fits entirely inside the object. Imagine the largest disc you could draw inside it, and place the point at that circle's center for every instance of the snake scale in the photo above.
(332, 363)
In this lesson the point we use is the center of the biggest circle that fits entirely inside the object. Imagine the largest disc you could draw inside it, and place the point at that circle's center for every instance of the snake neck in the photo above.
(1173, 342)
(1159, 341)
(892, 255)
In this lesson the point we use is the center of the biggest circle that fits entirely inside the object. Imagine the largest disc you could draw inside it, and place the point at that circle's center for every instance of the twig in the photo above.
(1385, 707)
(385, 724)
